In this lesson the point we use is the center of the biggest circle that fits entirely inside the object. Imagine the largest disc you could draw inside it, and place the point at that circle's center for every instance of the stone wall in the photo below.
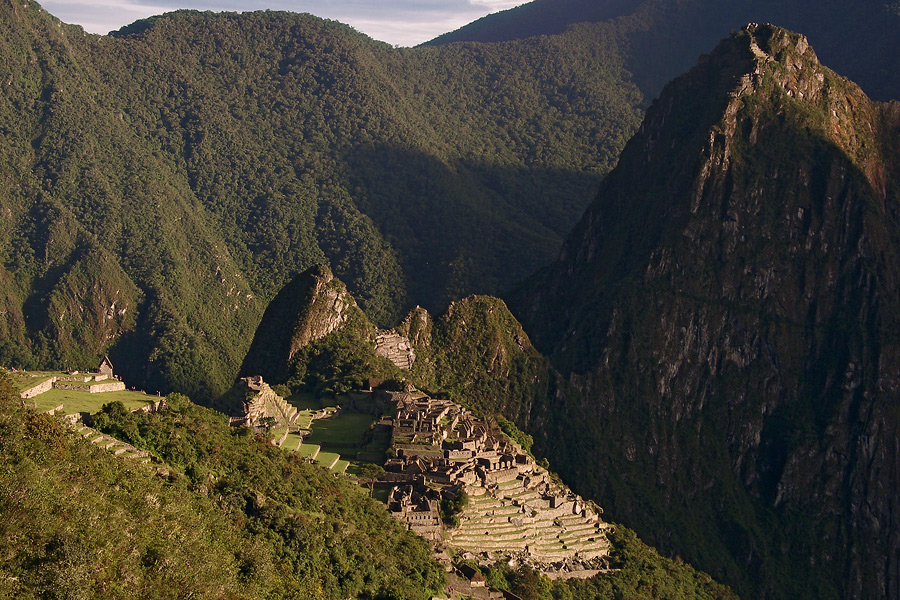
(78, 383)
(93, 388)
(113, 386)
(454, 454)
(38, 389)
(500, 475)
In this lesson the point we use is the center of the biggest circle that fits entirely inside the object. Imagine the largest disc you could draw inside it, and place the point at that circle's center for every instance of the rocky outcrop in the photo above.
(310, 307)
(724, 318)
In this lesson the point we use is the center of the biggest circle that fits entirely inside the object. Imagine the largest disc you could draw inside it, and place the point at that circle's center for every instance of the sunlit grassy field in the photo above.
(78, 402)
(347, 429)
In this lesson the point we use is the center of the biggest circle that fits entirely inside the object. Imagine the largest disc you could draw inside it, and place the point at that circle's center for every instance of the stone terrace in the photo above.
(512, 518)
(514, 510)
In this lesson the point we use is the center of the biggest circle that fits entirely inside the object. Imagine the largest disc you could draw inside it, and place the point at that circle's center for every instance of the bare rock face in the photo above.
(725, 318)
(310, 307)
(326, 310)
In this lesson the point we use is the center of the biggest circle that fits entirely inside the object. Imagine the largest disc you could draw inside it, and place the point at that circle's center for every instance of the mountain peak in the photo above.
(742, 259)
(309, 307)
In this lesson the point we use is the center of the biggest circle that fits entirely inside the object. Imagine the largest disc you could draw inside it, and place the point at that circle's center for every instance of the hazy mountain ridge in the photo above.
(725, 317)
(662, 38)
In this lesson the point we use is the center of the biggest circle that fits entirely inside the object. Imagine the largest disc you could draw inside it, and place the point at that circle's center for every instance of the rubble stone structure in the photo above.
(421, 514)
(262, 402)
(395, 348)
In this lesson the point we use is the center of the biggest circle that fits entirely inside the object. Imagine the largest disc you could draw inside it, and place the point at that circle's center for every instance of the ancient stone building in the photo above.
(106, 367)
(395, 348)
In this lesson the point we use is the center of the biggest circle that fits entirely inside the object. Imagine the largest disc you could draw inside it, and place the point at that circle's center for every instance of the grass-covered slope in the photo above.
(237, 517)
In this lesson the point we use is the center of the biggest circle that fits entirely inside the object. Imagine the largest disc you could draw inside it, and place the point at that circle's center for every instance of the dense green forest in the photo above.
(164, 182)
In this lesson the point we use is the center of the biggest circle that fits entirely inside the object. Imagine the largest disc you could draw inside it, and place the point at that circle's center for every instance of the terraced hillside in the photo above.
(511, 506)
(518, 519)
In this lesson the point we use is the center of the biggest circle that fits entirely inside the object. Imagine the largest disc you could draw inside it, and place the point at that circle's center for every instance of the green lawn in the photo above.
(23, 381)
(327, 458)
(292, 442)
(354, 469)
(340, 466)
(304, 419)
(345, 429)
(348, 451)
(304, 401)
(307, 450)
(78, 402)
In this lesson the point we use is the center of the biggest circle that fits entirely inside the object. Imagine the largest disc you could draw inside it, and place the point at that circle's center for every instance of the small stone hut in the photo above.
(106, 367)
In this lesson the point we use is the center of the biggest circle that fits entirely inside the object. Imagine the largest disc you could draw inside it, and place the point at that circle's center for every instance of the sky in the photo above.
(398, 22)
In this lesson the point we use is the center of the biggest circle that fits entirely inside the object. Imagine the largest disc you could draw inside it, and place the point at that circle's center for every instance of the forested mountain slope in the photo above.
(162, 183)
(227, 515)
(662, 38)
(725, 321)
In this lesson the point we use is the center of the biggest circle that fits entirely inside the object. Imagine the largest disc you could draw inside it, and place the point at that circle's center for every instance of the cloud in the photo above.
(400, 22)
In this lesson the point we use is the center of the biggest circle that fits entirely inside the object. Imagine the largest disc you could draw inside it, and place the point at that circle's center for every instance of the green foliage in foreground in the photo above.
(246, 520)
(638, 573)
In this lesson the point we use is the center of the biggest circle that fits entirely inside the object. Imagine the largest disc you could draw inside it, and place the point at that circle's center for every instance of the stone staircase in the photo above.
(111, 444)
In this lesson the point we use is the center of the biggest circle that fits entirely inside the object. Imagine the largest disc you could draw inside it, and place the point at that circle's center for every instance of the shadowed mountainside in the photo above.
(725, 320)
(662, 38)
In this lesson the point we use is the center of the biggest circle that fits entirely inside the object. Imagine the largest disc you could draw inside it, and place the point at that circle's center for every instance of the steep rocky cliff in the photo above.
(307, 309)
(725, 317)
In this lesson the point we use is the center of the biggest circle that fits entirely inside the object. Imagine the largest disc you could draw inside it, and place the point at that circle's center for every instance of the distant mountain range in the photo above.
(661, 39)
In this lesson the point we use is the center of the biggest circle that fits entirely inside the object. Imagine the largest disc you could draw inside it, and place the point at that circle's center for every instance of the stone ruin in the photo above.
(262, 403)
(515, 509)
(396, 348)
(419, 509)
(103, 380)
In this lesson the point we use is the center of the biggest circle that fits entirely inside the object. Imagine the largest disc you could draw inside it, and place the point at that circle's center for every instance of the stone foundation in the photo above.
(92, 388)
